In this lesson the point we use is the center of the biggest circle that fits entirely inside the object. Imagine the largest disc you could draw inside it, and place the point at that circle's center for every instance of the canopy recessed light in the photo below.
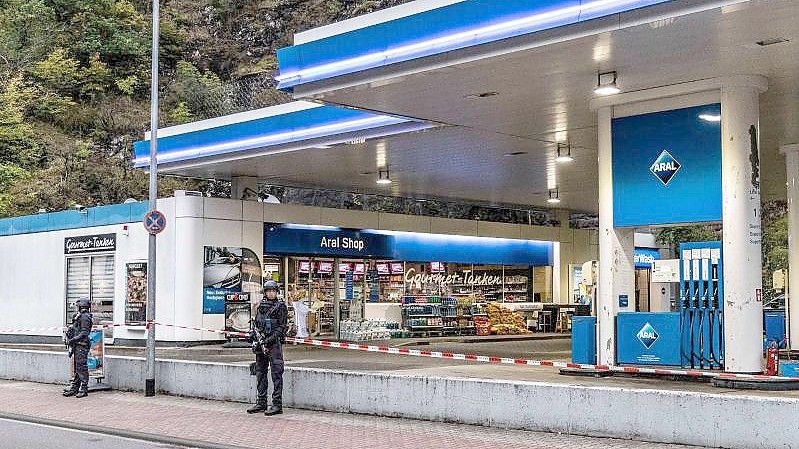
(564, 153)
(772, 41)
(554, 196)
(714, 118)
(606, 84)
(483, 95)
(383, 177)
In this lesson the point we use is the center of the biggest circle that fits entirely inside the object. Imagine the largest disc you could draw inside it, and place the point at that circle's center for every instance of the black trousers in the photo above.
(80, 356)
(262, 366)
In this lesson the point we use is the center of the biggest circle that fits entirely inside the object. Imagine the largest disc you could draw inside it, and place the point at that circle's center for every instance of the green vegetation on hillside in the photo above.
(74, 85)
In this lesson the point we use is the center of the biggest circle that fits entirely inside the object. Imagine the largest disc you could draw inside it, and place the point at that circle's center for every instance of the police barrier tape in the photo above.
(455, 356)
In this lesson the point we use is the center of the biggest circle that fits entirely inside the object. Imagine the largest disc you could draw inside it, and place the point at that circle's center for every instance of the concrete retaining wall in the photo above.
(714, 420)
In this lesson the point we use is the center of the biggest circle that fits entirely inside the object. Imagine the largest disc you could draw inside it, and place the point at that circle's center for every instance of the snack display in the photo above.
(505, 321)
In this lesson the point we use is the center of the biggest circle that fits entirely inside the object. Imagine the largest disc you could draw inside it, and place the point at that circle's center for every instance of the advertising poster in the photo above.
(374, 286)
(136, 296)
(251, 274)
(237, 316)
(348, 286)
(577, 279)
(229, 270)
(221, 275)
(96, 355)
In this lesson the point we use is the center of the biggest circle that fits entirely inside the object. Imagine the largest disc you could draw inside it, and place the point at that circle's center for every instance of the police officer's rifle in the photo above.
(259, 339)
(69, 333)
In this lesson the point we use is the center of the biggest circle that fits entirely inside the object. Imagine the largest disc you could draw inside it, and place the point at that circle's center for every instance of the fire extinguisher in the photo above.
(772, 359)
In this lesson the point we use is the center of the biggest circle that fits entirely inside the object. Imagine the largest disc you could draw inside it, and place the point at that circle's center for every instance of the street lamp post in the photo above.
(149, 382)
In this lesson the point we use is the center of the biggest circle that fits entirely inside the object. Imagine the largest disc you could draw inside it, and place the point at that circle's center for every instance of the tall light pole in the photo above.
(149, 382)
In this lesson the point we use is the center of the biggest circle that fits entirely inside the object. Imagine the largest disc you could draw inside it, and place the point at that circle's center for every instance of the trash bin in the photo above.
(584, 340)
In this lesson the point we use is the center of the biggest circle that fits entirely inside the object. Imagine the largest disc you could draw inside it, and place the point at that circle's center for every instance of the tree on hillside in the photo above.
(74, 85)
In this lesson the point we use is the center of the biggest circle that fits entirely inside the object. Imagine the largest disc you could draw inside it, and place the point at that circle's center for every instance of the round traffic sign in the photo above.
(154, 222)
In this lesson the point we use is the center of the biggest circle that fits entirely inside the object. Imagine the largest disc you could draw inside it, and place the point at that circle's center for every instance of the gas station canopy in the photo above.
(479, 93)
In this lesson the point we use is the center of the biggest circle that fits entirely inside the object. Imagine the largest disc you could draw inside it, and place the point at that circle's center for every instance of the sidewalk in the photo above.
(210, 423)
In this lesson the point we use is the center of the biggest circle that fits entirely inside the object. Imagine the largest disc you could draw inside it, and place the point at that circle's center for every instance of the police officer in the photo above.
(79, 342)
(268, 336)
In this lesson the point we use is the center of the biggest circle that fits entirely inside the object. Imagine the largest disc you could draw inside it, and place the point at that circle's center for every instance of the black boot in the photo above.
(258, 408)
(73, 390)
(83, 391)
(274, 410)
(73, 385)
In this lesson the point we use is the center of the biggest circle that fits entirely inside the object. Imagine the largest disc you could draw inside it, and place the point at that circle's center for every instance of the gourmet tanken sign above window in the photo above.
(90, 243)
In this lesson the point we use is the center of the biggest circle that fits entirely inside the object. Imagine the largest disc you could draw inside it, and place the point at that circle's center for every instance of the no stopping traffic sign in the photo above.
(154, 222)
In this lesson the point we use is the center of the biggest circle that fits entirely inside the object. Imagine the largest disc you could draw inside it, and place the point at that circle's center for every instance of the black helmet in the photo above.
(83, 303)
(271, 285)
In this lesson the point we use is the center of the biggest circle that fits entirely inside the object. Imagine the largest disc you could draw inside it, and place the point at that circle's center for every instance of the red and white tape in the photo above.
(456, 356)
(527, 362)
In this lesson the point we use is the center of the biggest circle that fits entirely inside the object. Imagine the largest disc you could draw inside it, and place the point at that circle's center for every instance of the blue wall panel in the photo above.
(73, 219)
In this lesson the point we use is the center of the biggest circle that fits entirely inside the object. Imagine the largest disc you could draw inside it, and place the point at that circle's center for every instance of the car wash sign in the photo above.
(645, 257)
(667, 167)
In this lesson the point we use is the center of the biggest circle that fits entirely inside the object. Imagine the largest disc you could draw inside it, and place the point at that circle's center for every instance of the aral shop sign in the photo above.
(90, 243)
(444, 279)
(342, 242)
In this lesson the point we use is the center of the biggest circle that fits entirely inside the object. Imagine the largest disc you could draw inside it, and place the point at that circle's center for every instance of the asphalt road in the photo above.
(24, 435)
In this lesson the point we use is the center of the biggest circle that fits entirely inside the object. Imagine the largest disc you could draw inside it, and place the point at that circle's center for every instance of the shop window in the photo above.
(542, 284)
(78, 282)
(91, 276)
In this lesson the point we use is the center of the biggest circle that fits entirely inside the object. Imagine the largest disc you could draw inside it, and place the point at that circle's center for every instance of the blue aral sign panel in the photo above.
(288, 239)
(667, 167)
(648, 338)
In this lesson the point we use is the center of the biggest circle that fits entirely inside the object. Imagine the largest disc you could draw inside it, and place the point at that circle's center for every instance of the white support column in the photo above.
(791, 153)
(242, 188)
(616, 247)
(743, 266)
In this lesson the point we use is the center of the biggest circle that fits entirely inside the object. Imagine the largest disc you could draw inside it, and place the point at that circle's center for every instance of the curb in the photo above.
(132, 434)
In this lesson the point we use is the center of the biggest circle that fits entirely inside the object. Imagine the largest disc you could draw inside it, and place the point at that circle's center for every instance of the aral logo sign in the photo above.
(647, 336)
(665, 167)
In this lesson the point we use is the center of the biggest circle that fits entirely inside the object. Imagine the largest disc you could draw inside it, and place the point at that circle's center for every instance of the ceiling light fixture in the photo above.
(772, 41)
(713, 118)
(383, 177)
(564, 153)
(482, 95)
(554, 196)
(606, 83)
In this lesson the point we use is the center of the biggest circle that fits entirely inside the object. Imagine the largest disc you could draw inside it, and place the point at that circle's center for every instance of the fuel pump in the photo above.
(701, 312)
